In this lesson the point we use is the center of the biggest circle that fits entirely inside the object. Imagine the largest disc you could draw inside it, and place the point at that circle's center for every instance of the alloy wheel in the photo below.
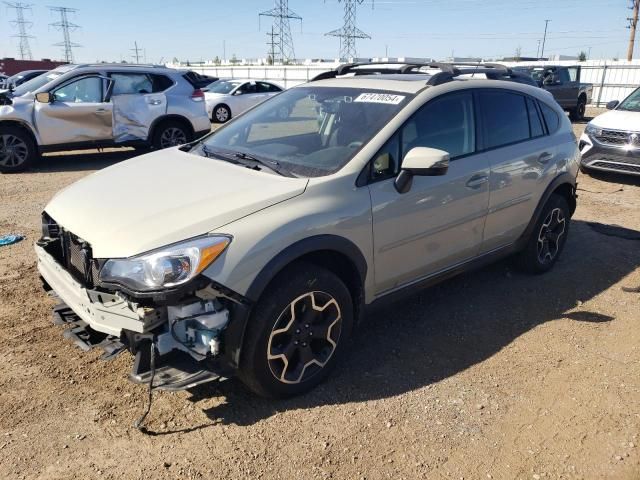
(222, 114)
(550, 236)
(304, 337)
(172, 137)
(13, 151)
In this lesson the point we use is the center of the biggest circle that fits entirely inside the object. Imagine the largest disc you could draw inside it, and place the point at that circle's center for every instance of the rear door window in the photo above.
(131, 83)
(505, 118)
(264, 87)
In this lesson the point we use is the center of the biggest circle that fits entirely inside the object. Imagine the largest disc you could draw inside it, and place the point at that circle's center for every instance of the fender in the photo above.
(241, 312)
(563, 179)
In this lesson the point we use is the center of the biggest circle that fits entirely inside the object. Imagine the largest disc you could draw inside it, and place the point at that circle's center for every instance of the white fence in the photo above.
(612, 80)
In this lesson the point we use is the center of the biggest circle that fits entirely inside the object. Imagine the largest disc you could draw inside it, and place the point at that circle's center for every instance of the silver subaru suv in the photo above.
(104, 105)
(257, 250)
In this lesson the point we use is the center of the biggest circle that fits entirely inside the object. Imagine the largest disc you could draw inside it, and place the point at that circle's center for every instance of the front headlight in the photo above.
(166, 267)
(593, 130)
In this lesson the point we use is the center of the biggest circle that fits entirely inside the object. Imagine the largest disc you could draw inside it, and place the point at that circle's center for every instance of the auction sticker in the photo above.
(380, 98)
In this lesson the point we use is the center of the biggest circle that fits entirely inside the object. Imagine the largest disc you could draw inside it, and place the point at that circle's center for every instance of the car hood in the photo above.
(162, 198)
(618, 120)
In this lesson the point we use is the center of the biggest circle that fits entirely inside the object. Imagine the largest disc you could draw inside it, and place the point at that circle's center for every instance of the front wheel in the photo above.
(221, 114)
(548, 237)
(18, 151)
(297, 332)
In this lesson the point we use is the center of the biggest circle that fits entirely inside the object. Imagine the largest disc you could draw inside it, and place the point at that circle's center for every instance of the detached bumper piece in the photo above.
(174, 371)
(84, 336)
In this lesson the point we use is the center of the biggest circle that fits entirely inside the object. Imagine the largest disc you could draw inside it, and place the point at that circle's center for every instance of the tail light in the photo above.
(197, 95)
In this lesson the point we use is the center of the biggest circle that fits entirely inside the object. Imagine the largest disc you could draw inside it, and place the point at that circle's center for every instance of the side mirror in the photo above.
(44, 97)
(238, 92)
(612, 104)
(421, 161)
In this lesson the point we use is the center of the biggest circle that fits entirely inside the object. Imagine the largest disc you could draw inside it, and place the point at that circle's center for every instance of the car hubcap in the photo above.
(550, 236)
(172, 137)
(13, 151)
(222, 114)
(304, 337)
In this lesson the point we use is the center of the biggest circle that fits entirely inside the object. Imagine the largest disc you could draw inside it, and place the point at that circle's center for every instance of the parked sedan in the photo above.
(20, 78)
(227, 98)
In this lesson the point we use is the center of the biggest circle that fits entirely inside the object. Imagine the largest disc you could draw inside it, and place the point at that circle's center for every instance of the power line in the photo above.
(633, 22)
(349, 31)
(66, 27)
(281, 15)
(22, 24)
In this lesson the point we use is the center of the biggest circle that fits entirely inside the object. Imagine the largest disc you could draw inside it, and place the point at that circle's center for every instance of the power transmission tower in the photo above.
(633, 23)
(22, 24)
(281, 15)
(272, 44)
(66, 27)
(349, 32)
(136, 52)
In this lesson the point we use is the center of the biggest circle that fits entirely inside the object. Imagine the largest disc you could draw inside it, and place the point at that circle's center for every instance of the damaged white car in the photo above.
(93, 106)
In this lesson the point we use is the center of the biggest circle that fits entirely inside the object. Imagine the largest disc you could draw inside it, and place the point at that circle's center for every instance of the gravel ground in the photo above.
(493, 374)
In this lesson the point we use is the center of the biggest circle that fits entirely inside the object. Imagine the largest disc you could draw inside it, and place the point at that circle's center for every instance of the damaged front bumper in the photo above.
(177, 345)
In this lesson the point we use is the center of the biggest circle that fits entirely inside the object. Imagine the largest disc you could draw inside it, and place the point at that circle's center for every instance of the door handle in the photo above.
(101, 110)
(155, 102)
(545, 158)
(477, 181)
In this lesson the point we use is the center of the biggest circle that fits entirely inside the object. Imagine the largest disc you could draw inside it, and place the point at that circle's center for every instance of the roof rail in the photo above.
(448, 70)
(109, 65)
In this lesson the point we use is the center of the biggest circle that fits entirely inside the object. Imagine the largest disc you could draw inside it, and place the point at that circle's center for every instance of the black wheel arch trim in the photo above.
(164, 118)
(241, 312)
(563, 179)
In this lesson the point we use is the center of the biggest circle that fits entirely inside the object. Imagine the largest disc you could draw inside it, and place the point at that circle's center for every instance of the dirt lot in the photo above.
(493, 374)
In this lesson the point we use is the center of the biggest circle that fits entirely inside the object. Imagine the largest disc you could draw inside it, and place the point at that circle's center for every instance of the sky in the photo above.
(197, 30)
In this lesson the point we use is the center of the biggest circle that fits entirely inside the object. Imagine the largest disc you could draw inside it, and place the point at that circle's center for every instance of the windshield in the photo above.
(35, 83)
(309, 131)
(222, 86)
(631, 103)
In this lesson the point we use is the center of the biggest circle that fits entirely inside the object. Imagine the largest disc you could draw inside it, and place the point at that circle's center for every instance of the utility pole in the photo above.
(633, 22)
(136, 52)
(66, 27)
(273, 44)
(544, 39)
(22, 24)
(538, 51)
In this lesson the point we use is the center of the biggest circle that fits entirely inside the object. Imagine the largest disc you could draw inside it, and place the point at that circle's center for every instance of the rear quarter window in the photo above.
(551, 118)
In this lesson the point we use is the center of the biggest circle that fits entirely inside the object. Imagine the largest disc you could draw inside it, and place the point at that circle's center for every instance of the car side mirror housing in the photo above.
(612, 104)
(423, 162)
(44, 97)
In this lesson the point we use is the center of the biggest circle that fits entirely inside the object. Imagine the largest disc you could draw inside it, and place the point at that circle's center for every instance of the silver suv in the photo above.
(103, 105)
(258, 249)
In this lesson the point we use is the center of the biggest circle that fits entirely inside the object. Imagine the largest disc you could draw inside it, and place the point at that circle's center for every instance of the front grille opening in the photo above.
(618, 166)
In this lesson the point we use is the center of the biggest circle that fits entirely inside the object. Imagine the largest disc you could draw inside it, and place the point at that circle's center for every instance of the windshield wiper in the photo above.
(218, 155)
(270, 164)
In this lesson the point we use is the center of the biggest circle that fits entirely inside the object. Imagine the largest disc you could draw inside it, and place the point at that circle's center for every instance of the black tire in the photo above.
(18, 151)
(171, 133)
(548, 237)
(221, 114)
(278, 365)
(577, 114)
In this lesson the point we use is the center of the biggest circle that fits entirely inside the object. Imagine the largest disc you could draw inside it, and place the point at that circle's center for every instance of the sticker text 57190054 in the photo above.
(389, 98)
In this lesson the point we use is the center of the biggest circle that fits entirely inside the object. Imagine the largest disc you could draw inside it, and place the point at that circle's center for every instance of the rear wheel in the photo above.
(578, 112)
(18, 151)
(297, 332)
(171, 133)
(548, 237)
